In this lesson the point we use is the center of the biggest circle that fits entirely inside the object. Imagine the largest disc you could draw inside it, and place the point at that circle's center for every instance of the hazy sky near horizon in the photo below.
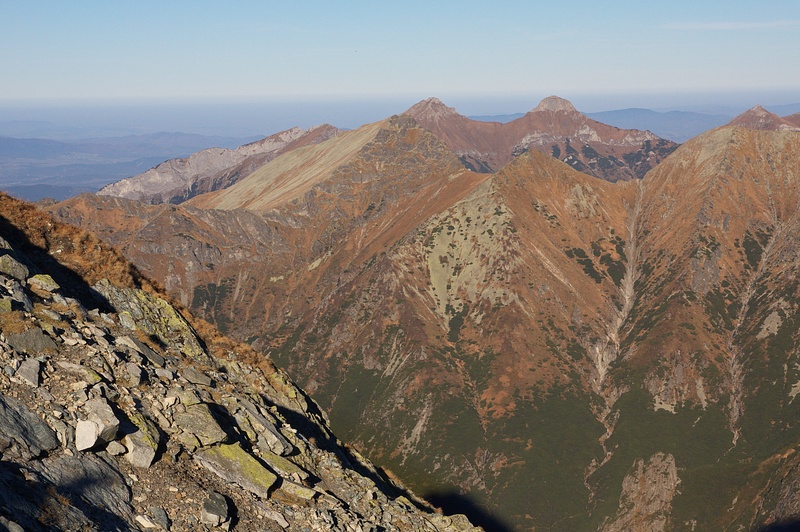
(197, 50)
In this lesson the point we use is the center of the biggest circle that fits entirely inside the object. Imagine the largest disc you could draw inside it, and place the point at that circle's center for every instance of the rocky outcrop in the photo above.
(116, 413)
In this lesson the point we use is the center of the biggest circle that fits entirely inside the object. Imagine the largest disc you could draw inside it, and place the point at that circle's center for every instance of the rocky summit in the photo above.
(537, 347)
(119, 411)
(553, 127)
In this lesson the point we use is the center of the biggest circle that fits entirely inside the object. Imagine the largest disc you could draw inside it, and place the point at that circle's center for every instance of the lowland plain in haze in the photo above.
(61, 149)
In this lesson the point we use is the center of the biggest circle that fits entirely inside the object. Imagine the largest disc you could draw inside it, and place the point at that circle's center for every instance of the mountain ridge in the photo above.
(536, 339)
(552, 127)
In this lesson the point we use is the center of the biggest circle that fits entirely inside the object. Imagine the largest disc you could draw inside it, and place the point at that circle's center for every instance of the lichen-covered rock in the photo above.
(12, 267)
(155, 316)
(43, 283)
(199, 421)
(231, 463)
(142, 445)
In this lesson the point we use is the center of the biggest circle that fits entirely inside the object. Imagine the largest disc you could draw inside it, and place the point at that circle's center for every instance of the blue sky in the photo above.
(602, 54)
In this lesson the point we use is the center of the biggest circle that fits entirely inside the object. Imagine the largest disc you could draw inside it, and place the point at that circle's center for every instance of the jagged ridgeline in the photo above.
(543, 348)
(119, 411)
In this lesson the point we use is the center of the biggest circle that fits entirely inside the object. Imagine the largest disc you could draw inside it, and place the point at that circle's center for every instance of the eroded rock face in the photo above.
(127, 399)
(647, 493)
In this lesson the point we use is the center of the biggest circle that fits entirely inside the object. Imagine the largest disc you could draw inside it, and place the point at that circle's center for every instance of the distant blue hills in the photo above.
(678, 126)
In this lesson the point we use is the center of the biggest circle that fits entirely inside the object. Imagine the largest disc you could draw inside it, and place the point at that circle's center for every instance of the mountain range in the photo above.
(562, 323)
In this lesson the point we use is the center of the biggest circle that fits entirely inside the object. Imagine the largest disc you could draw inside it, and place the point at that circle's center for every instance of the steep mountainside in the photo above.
(793, 119)
(555, 128)
(760, 119)
(177, 180)
(119, 413)
(560, 351)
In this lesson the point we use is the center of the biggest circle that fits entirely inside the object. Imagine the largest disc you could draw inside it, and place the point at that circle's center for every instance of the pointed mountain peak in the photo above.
(431, 109)
(760, 119)
(554, 103)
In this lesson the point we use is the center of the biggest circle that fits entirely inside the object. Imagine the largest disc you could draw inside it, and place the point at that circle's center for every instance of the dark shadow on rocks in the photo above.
(38, 260)
(452, 502)
(36, 502)
(789, 525)
(326, 441)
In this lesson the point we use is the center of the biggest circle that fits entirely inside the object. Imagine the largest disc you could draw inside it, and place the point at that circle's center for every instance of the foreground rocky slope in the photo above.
(560, 351)
(117, 413)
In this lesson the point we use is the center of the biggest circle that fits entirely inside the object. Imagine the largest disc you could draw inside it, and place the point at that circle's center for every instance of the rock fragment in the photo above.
(142, 445)
(160, 517)
(199, 421)
(12, 267)
(28, 372)
(33, 341)
(24, 430)
(195, 377)
(100, 426)
(215, 510)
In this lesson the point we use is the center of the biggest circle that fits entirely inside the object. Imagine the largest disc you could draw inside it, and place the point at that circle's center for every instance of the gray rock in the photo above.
(195, 377)
(160, 517)
(135, 373)
(11, 526)
(43, 282)
(215, 509)
(12, 267)
(145, 522)
(266, 427)
(233, 464)
(99, 427)
(20, 426)
(28, 371)
(33, 341)
(164, 374)
(141, 348)
(115, 448)
(142, 445)
(16, 294)
(199, 421)
(94, 484)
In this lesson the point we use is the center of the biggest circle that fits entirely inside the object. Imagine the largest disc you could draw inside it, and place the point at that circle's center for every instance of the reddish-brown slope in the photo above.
(538, 339)
(760, 119)
(554, 127)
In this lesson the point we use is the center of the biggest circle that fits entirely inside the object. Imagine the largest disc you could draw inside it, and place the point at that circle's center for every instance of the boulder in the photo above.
(195, 377)
(142, 445)
(199, 421)
(267, 430)
(232, 464)
(43, 283)
(21, 426)
(28, 372)
(215, 510)
(33, 342)
(12, 267)
(99, 427)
